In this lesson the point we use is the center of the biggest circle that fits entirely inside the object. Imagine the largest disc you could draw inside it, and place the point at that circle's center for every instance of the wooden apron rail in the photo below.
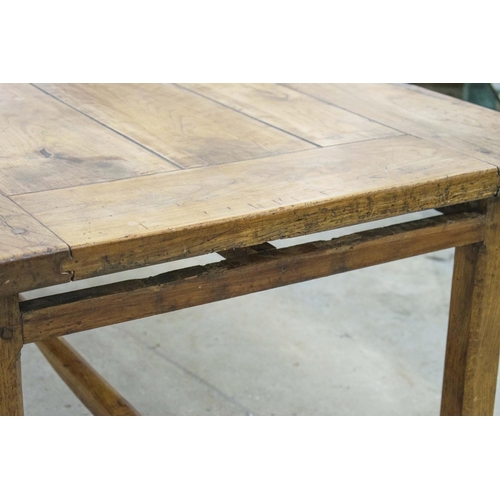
(242, 274)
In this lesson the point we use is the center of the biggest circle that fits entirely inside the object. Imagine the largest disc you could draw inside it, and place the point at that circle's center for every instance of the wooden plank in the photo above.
(45, 144)
(110, 304)
(235, 253)
(11, 342)
(473, 345)
(459, 125)
(148, 220)
(89, 387)
(297, 113)
(186, 128)
(30, 254)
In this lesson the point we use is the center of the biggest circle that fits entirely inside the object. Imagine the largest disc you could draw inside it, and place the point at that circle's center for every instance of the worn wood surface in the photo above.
(187, 129)
(284, 108)
(147, 220)
(236, 253)
(11, 342)
(45, 144)
(102, 167)
(473, 345)
(459, 125)
(110, 304)
(89, 387)
(96, 179)
(30, 254)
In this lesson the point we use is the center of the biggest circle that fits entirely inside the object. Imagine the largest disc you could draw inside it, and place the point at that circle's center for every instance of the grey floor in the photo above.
(369, 342)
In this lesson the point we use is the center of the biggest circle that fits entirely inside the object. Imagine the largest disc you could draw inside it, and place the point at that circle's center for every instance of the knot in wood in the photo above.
(6, 333)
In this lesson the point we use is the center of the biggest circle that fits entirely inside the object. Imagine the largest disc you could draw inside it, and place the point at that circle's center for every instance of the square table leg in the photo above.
(11, 342)
(473, 345)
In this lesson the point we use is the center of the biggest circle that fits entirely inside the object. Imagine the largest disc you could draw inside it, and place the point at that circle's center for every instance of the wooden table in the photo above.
(97, 179)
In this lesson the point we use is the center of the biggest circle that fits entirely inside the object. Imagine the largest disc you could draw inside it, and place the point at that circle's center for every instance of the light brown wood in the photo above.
(187, 129)
(459, 125)
(45, 144)
(30, 254)
(93, 181)
(473, 345)
(11, 342)
(299, 114)
(89, 387)
(110, 304)
(147, 220)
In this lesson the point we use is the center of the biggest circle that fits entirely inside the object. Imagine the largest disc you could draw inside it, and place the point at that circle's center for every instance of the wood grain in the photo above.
(148, 220)
(473, 345)
(30, 254)
(459, 125)
(89, 387)
(181, 126)
(261, 270)
(243, 252)
(11, 342)
(299, 114)
(45, 144)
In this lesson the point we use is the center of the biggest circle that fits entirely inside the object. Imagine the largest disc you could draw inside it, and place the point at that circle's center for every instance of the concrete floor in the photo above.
(369, 342)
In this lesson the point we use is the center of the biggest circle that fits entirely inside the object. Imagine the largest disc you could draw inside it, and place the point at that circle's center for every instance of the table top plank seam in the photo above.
(121, 134)
(447, 146)
(45, 144)
(182, 126)
(417, 90)
(324, 101)
(27, 212)
(247, 115)
(290, 153)
(110, 181)
(208, 167)
(31, 254)
(262, 103)
(427, 93)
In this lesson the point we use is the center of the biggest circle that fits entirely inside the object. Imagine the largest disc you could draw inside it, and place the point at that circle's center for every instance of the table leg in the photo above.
(473, 345)
(11, 342)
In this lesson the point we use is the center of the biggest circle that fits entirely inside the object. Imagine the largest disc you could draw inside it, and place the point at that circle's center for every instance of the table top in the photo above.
(100, 178)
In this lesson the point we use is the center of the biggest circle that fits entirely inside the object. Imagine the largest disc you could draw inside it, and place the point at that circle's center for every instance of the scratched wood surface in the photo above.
(459, 125)
(103, 178)
(284, 108)
(177, 124)
(30, 254)
(45, 144)
(146, 220)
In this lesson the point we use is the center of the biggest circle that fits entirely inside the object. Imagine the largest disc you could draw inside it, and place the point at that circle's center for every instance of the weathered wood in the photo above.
(89, 387)
(473, 345)
(181, 126)
(235, 253)
(459, 125)
(297, 113)
(45, 144)
(30, 254)
(11, 342)
(478, 206)
(109, 304)
(131, 223)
